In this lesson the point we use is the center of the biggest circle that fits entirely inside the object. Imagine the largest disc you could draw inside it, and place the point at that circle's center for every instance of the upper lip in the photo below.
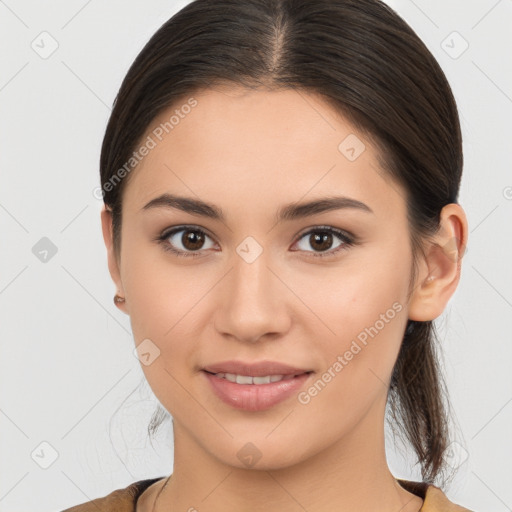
(259, 369)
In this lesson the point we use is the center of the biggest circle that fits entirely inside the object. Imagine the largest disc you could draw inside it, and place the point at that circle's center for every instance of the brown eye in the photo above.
(185, 241)
(192, 240)
(322, 239)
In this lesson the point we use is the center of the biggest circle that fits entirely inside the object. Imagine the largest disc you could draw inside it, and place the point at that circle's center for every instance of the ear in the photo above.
(113, 262)
(439, 272)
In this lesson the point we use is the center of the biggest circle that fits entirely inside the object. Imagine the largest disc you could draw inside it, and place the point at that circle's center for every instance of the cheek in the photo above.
(157, 293)
(353, 294)
(359, 313)
(163, 304)
(362, 327)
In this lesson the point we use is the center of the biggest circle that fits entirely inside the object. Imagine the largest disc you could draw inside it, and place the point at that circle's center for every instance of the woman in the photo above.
(280, 181)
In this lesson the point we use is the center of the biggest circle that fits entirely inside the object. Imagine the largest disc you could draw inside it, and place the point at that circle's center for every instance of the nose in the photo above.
(253, 303)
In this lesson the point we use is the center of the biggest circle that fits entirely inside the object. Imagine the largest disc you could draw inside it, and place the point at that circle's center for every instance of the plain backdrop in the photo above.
(74, 406)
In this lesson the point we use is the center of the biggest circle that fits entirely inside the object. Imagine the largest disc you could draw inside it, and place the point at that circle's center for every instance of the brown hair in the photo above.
(369, 65)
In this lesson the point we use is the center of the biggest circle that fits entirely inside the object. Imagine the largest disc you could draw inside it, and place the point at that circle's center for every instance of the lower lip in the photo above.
(255, 397)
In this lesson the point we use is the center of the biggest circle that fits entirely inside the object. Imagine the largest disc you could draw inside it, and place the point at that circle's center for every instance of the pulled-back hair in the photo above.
(371, 67)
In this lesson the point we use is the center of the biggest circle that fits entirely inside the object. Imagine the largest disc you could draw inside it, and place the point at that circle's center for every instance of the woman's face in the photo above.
(254, 286)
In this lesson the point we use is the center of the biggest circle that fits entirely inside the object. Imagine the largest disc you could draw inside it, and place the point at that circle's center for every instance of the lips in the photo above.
(258, 369)
(256, 397)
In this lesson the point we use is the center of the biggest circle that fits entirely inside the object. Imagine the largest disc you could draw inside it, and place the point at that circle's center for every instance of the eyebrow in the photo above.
(288, 212)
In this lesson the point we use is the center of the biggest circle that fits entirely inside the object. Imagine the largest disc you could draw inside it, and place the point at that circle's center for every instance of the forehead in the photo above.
(263, 146)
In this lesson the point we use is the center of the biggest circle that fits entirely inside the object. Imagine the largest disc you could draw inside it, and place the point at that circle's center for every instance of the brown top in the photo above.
(125, 500)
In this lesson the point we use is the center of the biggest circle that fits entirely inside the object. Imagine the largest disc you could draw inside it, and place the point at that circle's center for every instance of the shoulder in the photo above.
(123, 500)
(434, 499)
(120, 500)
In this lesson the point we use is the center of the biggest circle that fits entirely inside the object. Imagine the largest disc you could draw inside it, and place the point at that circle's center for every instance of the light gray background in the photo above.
(68, 375)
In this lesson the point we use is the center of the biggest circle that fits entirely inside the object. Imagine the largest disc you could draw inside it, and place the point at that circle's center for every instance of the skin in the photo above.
(249, 153)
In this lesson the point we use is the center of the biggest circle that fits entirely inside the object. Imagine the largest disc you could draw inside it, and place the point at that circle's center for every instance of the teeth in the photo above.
(246, 379)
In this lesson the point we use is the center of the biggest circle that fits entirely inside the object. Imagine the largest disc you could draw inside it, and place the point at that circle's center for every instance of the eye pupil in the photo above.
(325, 239)
(192, 240)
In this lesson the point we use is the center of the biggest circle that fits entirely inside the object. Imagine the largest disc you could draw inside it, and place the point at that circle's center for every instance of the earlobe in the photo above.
(440, 272)
(113, 264)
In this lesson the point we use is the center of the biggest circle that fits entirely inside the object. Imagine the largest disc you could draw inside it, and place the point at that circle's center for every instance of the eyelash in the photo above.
(348, 240)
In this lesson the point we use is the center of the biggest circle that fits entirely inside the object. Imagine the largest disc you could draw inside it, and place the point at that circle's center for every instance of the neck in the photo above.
(349, 475)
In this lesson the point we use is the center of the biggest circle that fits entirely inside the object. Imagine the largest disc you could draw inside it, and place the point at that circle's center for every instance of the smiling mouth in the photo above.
(255, 380)
(256, 393)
